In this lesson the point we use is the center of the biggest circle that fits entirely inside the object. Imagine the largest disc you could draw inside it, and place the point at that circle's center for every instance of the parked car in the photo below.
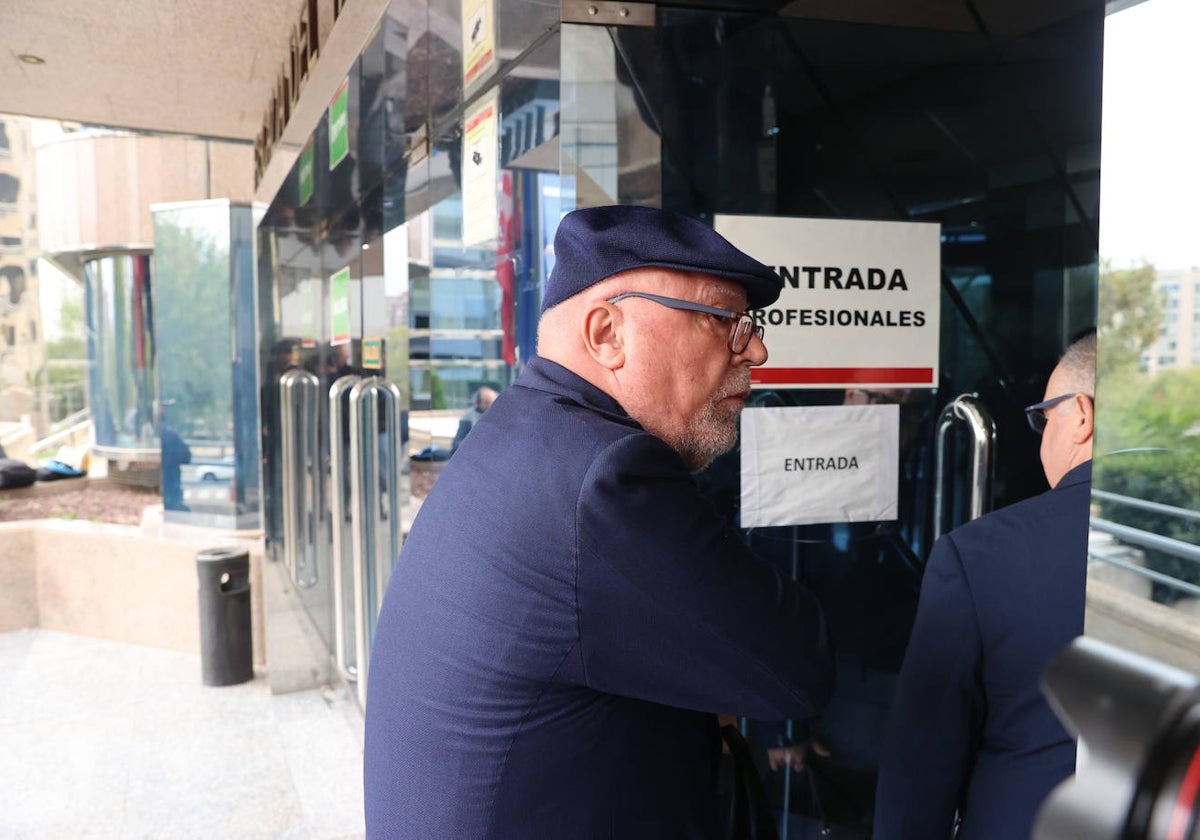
(214, 471)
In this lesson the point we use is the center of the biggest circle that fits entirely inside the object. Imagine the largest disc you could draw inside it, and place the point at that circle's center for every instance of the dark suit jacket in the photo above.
(564, 618)
(969, 728)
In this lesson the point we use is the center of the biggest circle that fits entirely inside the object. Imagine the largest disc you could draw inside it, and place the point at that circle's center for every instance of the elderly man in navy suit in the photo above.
(569, 612)
(970, 732)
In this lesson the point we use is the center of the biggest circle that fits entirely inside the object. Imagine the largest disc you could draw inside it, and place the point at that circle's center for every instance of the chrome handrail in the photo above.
(340, 479)
(969, 409)
(374, 505)
(301, 460)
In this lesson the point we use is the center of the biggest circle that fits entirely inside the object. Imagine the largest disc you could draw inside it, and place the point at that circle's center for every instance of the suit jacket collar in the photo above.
(1078, 475)
(551, 377)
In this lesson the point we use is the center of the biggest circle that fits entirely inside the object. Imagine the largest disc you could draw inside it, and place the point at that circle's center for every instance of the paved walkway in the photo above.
(107, 740)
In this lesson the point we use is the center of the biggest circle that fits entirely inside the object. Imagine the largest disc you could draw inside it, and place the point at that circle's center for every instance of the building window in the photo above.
(10, 188)
(14, 279)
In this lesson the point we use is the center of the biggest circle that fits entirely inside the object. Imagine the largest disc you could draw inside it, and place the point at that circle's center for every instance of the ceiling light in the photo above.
(30, 58)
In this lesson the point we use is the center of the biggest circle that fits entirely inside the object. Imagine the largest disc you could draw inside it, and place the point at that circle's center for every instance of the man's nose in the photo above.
(755, 353)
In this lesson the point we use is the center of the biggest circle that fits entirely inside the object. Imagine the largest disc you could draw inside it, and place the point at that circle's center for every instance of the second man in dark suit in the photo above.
(970, 733)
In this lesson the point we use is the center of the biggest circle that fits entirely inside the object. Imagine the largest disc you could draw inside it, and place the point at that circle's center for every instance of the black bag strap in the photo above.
(750, 816)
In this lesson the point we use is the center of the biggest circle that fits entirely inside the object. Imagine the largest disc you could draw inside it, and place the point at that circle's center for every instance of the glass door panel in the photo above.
(1145, 564)
(718, 113)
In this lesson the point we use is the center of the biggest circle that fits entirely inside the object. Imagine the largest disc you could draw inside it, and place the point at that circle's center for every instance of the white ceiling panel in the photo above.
(202, 67)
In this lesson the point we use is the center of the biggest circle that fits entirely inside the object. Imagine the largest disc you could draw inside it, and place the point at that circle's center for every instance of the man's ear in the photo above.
(603, 325)
(1086, 426)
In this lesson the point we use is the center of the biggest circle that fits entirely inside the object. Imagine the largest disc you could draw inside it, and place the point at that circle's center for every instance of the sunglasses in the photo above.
(1036, 413)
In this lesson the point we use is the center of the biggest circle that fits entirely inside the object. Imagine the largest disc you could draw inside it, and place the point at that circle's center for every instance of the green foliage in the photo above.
(64, 375)
(396, 362)
(73, 343)
(65, 382)
(1148, 428)
(192, 315)
(437, 391)
(1130, 316)
(1149, 432)
(1169, 477)
(1140, 411)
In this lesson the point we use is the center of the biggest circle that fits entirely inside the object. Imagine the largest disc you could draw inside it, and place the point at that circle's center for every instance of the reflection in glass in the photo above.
(1147, 478)
(206, 363)
(120, 318)
(610, 122)
(863, 119)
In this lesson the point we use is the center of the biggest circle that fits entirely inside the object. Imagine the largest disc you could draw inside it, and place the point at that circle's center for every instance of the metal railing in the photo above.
(1148, 539)
(82, 425)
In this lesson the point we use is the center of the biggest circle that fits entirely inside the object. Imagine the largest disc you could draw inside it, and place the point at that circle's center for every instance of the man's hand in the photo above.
(794, 755)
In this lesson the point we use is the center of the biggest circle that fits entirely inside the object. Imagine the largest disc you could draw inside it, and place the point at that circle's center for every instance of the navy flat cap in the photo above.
(597, 242)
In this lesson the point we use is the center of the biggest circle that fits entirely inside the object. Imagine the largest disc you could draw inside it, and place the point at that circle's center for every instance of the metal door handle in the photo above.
(969, 409)
(340, 479)
(301, 473)
(374, 504)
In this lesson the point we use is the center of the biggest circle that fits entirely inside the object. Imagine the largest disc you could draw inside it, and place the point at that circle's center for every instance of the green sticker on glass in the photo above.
(339, 307)
(339, 126)
(306, 173)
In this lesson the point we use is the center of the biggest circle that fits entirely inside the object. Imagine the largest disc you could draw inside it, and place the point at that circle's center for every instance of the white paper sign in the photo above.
(480, 153)
(809, 464)
(860, 303)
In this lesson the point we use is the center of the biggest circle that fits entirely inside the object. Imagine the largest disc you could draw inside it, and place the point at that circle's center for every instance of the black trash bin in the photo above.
(226, 656)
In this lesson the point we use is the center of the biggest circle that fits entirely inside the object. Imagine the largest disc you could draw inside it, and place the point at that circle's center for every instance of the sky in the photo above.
(1150, 139)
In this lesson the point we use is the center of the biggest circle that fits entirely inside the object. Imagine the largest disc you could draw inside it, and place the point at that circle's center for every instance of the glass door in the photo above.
(977, 124)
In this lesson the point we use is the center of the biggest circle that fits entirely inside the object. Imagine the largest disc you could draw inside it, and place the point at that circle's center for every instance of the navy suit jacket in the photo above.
(563, 620)
(969, 729)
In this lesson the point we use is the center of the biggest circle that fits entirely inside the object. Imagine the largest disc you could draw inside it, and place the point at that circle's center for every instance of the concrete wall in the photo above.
(96, 188)
(18, 578)
(1133, 623)
(111, 581)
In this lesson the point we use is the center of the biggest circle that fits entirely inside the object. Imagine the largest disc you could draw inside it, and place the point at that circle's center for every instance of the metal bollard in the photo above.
(226, 656)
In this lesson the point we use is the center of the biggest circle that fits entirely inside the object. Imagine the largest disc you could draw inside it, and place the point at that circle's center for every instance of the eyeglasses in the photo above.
(739, 334)
(1036, 413)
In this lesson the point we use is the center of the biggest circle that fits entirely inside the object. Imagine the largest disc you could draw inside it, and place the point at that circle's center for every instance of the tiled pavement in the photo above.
(107, 740)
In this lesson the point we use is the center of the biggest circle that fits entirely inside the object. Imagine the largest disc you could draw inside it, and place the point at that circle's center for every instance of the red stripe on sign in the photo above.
(829, 376)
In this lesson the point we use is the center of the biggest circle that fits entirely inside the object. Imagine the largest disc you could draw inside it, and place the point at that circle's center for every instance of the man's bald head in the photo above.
(1070, 424)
